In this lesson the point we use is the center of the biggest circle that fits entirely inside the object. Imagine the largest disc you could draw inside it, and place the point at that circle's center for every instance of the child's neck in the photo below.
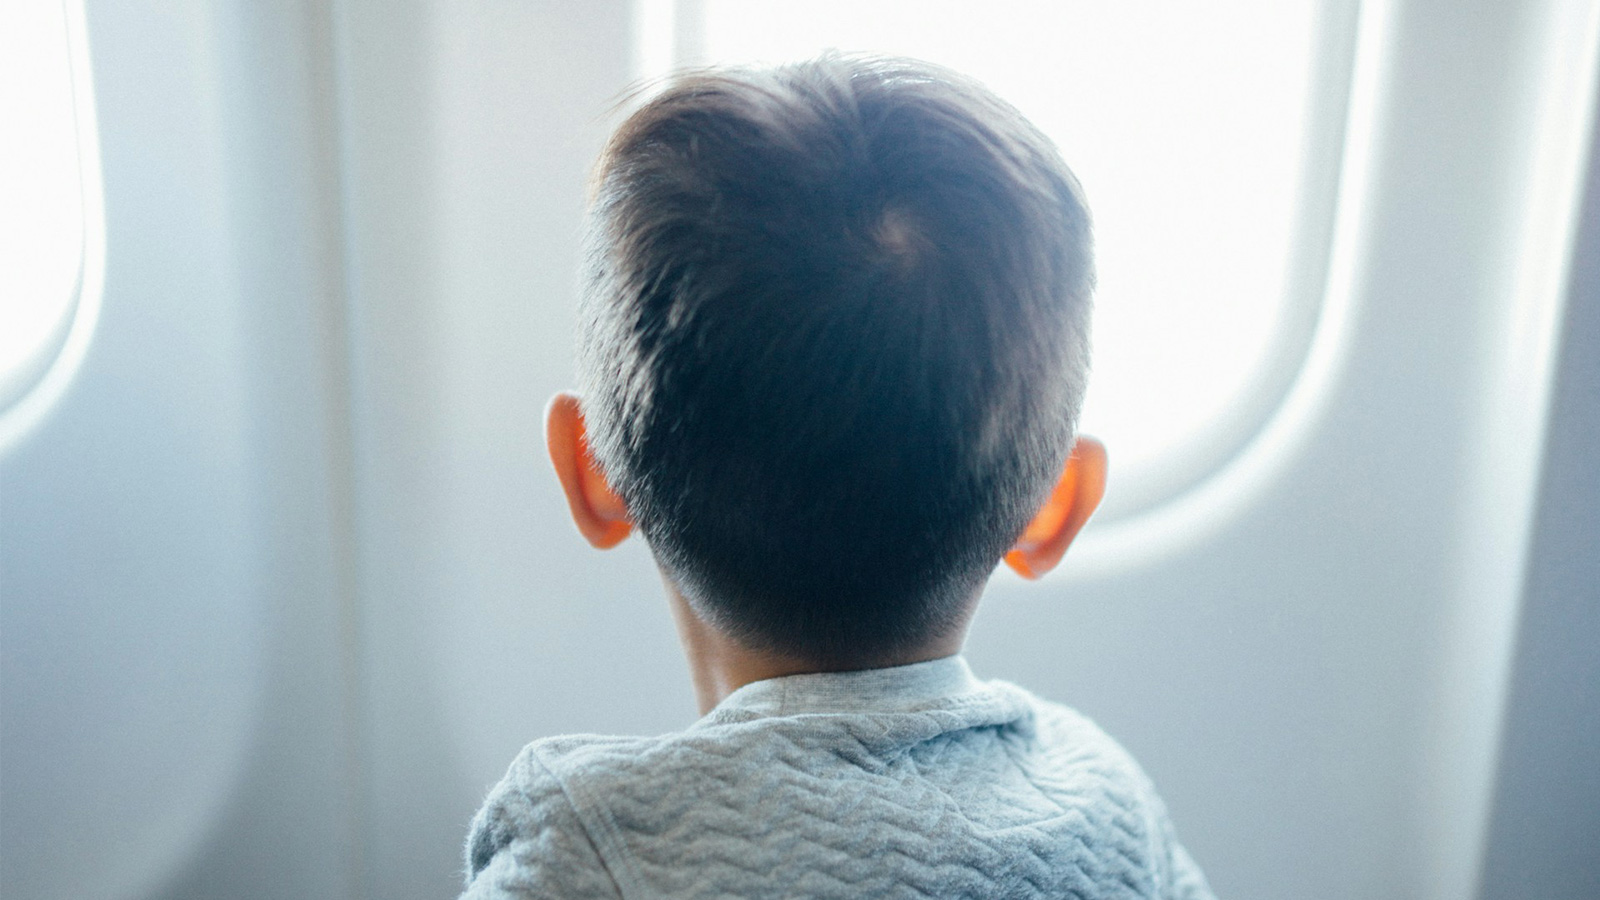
(719, 665)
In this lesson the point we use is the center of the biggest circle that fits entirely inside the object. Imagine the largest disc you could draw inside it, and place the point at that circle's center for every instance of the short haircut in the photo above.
(834, 341)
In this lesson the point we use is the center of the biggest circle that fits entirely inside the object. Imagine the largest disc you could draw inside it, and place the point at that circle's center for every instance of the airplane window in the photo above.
(48, 237)
(1191, 128)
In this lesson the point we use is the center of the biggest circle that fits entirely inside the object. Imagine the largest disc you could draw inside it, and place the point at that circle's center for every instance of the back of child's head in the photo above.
(834, 344)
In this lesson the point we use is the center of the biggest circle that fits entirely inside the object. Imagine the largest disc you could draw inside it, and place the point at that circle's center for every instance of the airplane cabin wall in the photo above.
(1546, 820)
(175, 704)
(287, 582)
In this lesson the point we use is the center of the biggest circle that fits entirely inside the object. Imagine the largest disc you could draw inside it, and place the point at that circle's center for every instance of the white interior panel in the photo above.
(172, 709)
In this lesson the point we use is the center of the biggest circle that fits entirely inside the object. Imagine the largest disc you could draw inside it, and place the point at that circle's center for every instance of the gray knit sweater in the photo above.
(917, 781)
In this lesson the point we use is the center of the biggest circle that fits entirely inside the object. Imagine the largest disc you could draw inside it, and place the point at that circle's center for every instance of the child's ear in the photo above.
(599, 513)
(1072, 501)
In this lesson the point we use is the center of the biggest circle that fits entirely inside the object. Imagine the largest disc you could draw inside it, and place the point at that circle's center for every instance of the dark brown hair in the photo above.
(834, 343)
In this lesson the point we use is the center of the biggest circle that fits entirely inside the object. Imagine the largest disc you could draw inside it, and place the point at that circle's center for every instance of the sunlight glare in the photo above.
(1185, 124)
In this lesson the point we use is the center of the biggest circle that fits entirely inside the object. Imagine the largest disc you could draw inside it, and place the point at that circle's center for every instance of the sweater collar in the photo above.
(895, 689)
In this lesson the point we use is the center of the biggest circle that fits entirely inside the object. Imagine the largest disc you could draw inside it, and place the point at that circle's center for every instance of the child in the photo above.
(834, 342)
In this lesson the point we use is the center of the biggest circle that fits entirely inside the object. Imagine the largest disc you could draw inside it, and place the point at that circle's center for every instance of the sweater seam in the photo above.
(602, 833)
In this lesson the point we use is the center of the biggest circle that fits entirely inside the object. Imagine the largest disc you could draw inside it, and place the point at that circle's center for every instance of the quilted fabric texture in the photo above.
(916, 782)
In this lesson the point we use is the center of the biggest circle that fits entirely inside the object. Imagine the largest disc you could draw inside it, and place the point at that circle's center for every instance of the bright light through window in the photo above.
(43, 221)
(1185, 123)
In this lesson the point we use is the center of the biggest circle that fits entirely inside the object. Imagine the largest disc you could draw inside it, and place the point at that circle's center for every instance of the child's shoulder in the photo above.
(529, 816)
(1053, 735)
(1063, 730)
(761, 795)
(1076, 750)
